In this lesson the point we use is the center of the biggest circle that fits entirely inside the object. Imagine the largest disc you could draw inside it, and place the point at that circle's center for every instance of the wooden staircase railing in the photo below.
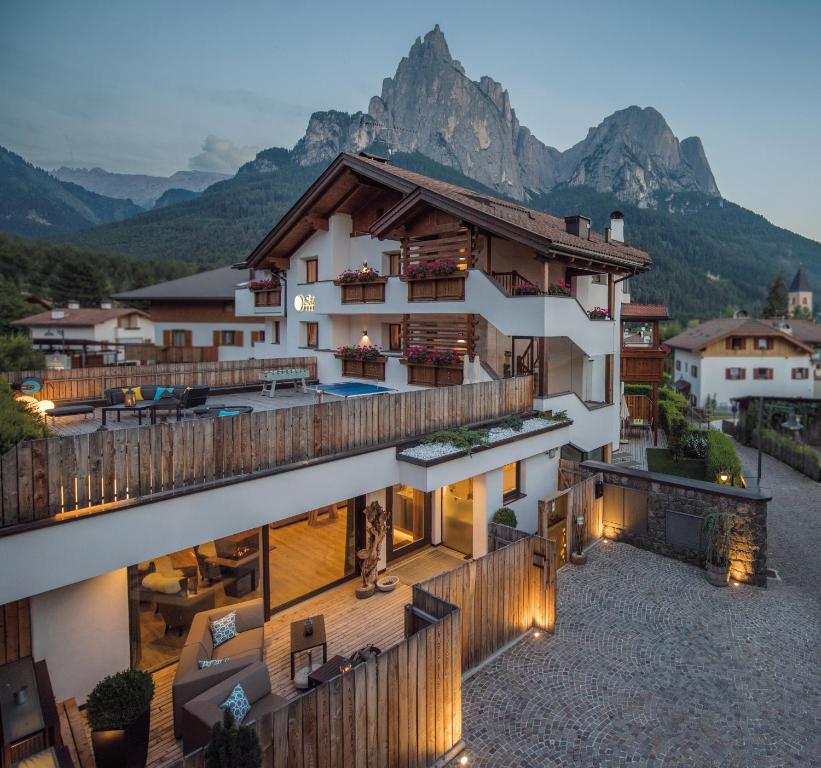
(516, 284)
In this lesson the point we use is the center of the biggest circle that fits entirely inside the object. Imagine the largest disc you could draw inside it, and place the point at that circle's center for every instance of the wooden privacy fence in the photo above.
(403, 708)
(501, 595)
(80, 384)
(43, 478)
(581, 500)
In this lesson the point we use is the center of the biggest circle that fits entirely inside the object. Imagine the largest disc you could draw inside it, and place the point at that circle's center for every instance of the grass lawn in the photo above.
(661, 460)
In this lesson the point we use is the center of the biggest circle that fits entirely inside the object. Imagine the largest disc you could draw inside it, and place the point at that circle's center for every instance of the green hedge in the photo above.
(795, 455)
(17, 423)
(638, 389)
(721, 457)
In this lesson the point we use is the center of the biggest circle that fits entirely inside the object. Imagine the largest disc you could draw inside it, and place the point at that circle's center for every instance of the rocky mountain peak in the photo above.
(431, 106)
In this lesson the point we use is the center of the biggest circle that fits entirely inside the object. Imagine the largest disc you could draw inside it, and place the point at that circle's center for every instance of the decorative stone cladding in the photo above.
(662, 513)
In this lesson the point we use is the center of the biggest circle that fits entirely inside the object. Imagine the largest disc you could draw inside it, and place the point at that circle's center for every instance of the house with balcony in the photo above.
(730, 358)
(194, 319)
(393, 277)
(83, 337)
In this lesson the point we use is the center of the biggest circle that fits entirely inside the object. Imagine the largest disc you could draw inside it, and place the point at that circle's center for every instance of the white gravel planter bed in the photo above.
(431, 451)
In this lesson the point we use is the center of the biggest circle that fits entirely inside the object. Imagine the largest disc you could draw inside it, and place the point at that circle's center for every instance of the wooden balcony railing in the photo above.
(516, 284)
(40, 479)
(364, 369)
(369, 292)
(271, 297)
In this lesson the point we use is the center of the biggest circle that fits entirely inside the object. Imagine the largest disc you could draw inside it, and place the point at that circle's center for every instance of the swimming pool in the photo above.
(348, 389)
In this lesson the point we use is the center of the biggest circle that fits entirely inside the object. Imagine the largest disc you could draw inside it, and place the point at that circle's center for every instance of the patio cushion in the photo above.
(138, 392)
(244, 643)
(237, 703)
(224, 629)
(157, 582)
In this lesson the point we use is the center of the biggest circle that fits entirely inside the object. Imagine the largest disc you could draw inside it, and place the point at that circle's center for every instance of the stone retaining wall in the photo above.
(690, 499)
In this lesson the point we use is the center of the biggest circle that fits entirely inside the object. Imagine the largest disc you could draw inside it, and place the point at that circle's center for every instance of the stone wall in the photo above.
(691, 499)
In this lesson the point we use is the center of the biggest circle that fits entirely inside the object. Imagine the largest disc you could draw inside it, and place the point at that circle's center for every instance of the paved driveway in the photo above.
(651, 666)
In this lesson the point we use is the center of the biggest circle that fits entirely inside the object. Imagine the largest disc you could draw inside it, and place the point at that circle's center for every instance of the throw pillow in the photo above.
(228, 413)
(138, 392)
(205, 663)
(237, 703)
(224, 629)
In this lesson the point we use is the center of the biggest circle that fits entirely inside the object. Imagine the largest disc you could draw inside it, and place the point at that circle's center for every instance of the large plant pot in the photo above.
(717, 575)
(126, 748)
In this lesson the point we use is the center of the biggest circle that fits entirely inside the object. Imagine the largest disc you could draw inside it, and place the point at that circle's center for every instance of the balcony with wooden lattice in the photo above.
(435, 347)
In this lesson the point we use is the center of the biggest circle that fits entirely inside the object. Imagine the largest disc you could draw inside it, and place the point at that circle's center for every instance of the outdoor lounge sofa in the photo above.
(190, 681)
(176, 398)
(203, 712)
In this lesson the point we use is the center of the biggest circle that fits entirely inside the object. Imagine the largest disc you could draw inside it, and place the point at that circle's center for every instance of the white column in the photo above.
(487, 498)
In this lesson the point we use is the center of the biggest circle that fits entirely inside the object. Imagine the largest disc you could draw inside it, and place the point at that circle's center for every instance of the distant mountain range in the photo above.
(139, 188)
(708, 252)
(36, 204)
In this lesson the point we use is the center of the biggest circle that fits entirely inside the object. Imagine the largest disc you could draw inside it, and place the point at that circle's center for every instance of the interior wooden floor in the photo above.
(350, 624)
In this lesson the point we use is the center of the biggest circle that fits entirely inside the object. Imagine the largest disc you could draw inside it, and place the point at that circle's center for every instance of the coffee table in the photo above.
(139, 408)
(300, 642)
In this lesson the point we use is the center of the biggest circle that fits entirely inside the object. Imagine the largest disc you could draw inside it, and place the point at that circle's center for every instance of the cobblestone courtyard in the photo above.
(651, 666)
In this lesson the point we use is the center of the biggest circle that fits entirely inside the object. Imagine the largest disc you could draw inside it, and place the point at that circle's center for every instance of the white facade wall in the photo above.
(782, 384)
(683, 363)
(202, 335)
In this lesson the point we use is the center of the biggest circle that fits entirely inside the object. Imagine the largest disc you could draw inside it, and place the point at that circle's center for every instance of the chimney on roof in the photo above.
(73, 305)
(616, 231)
(578, 226)
(105, 305)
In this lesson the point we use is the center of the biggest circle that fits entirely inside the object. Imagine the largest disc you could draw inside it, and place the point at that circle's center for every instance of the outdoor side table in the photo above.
(300, 642)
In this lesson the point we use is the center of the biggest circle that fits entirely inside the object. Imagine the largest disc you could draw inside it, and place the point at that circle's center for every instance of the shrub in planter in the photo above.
(434, 268)
(364, 352)
(505, 516)
(233, 746)
(461, 438)
(119, 714)
(559, 288)
(514, 422)
(721, 458)
(695, 443)
(364, 275)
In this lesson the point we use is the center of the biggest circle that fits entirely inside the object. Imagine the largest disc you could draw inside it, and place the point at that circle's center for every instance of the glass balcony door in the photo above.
(408, 520)
(457, 516)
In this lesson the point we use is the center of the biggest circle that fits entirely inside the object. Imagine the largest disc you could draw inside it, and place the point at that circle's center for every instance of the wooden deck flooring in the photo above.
(633, 454)
(350, 624)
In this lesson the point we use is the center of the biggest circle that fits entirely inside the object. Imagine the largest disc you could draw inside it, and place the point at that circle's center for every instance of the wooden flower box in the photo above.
(363, 369)
(267, 297)
(437, 287)
(366, 292)
(426, 375)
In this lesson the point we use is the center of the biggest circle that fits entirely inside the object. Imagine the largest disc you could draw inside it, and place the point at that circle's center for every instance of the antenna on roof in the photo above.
(394, 133)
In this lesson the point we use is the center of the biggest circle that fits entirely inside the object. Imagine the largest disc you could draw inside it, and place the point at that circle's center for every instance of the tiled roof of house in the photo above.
(644, 312)
(78, 317)
(694, 339)
(211, 285)
(537, 222)
(803, 330)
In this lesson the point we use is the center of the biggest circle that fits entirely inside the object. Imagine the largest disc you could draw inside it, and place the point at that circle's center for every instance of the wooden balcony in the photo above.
(269, 297)
(423, 375)
(642, 364)
(366, 292)
(364, 369)
(437, 287)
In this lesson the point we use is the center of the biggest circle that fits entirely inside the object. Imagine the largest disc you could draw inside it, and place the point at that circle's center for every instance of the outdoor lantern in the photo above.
(44, 405)
(599, 488)
(793, 424)
(724, 477)
(580, 521)
(130, 398)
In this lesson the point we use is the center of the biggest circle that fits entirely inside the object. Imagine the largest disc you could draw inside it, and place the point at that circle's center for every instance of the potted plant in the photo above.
(716, 529)
(119, 714)
(505, 516)
(434, 268)
(559, 288)
(263, 285)
(364, 275)
(233, 746)
(599, 313)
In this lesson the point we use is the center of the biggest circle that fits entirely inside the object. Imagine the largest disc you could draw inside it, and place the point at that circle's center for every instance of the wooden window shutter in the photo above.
(166, 338)
(188, 339)
(238, 338)
(217, 338)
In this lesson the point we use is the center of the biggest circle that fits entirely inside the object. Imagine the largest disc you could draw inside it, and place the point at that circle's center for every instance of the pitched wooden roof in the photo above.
(644, 312)
(698, 338)
(354, 177)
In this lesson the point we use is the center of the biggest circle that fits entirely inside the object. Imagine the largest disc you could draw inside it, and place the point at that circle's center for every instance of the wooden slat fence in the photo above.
(403, 708)
(89, 384)
(43, 478)
(15, 631)
(581, 500)
(570, 473)
(501, 595)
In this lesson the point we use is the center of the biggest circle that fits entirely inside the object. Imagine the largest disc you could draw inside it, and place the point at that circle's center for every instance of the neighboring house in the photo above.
(732, 358)
(809, 333)
(485, 311)
(800, 293)
(75, 337)
(197, 313)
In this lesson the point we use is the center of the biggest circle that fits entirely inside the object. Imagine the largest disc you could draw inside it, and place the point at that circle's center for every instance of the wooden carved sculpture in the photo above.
(376, 526)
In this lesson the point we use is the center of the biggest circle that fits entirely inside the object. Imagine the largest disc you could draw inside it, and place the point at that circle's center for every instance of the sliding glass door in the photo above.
(408, 520)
